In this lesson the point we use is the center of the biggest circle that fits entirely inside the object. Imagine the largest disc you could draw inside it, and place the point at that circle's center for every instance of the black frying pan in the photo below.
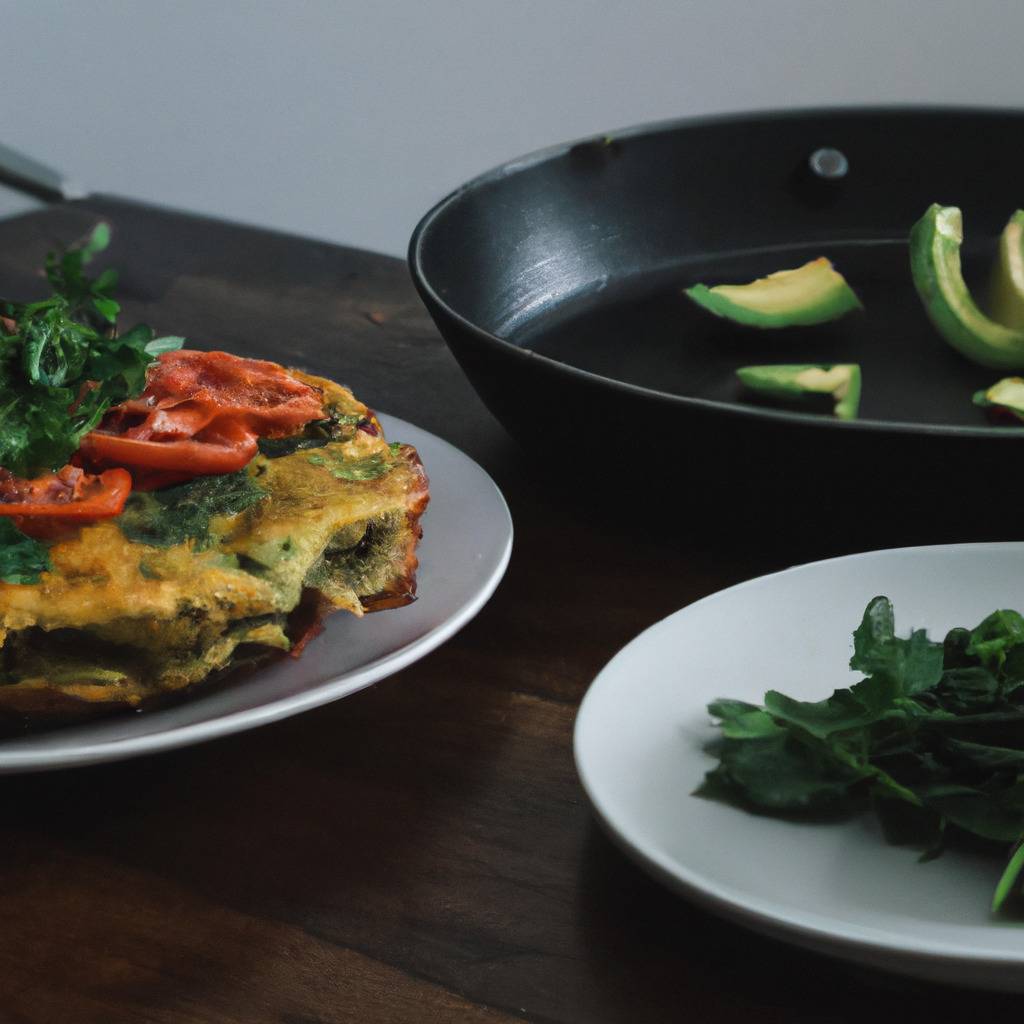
(556, 280)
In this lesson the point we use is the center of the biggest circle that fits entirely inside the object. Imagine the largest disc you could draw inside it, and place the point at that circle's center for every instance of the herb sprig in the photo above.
(933, 737)
(64, 364)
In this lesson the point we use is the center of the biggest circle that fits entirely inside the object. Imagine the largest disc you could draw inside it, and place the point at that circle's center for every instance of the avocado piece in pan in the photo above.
(935, 264)
(1006, 396)
(811, 294)
(794, 382)
(1006, 302)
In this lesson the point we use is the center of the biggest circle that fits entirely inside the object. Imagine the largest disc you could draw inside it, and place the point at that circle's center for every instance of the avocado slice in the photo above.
(842, 381)
(1006, 394)
(811, 294)
(935, 264)
(1007, 295)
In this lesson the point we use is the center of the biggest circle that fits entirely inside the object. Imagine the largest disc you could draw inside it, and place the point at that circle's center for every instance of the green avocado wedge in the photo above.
(842, 381)
(1006, 302)
(935, 264)
(1006, 395)
(811, 294)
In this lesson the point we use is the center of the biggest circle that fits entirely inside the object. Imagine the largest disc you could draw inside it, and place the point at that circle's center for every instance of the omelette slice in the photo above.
(192, 579)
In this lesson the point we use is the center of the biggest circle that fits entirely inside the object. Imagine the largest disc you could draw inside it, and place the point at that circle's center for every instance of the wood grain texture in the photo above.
(420, 851)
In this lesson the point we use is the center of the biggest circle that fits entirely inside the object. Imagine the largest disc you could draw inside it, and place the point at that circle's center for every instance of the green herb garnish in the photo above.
(64, 364)
(22, 559)
(933, 736)
(174, 515)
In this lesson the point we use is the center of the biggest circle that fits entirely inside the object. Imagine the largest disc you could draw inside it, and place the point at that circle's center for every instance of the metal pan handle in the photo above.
(33, 178)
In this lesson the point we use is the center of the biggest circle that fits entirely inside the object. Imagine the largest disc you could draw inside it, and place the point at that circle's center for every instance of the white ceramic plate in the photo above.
(836, 888)
(467, 540)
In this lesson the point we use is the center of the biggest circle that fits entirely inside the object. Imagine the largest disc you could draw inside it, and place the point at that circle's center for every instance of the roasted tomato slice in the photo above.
(201, 414)
(69, 496)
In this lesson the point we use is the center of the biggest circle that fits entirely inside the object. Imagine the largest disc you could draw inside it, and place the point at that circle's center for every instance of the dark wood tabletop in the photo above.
(422, 850)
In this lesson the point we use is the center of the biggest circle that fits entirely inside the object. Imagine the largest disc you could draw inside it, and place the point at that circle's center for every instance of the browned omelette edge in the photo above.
(306, 620)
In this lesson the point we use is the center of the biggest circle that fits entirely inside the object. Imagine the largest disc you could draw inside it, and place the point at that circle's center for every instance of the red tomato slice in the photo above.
(201, 414)
(68, 494)
(200, 458)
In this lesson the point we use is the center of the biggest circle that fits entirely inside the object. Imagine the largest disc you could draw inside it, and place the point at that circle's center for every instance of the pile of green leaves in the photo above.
(933, 737)
(61, 368)
(65, 364)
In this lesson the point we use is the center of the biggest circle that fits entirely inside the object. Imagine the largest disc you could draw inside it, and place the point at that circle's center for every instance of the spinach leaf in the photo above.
(174, 515)
(22, 559)
(778, 772)
(337, 427)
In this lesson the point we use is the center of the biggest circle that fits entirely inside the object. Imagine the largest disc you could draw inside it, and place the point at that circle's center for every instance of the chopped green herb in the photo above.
(22, 559)
(933, 735)
(177, 514)
(370, 468)
(64, 364)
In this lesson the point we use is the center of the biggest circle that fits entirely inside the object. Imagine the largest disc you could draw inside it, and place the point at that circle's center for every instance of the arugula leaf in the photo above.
(22, 559)
(934, 733)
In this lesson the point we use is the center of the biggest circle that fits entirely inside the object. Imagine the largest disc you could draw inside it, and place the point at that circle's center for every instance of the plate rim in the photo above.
(802, 928)
(25, 761)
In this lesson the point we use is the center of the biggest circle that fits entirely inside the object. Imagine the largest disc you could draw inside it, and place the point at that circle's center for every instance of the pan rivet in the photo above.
(828, 163)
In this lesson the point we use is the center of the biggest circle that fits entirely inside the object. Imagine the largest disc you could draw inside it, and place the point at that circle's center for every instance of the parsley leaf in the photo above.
(64, 364)
(66, 273)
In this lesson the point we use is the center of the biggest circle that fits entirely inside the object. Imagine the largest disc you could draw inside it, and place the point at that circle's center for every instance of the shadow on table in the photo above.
(662, 958)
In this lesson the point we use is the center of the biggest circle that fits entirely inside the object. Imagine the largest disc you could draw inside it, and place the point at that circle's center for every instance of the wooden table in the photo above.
(421, 851)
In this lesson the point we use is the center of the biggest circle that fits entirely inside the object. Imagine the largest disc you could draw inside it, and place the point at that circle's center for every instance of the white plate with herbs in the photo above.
(837, 886)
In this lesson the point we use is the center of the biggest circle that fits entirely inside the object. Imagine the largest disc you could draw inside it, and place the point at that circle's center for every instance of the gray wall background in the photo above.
(346, 121)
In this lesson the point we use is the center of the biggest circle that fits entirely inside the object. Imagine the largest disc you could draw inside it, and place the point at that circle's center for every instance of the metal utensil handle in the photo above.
(24, 174)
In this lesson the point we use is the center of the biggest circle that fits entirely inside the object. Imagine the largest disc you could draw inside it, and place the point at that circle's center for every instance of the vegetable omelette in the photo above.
(166, 513)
